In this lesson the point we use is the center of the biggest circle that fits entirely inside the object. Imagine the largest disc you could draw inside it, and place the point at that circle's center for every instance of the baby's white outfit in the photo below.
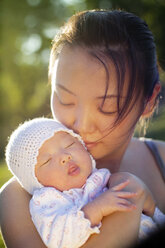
(58, 216)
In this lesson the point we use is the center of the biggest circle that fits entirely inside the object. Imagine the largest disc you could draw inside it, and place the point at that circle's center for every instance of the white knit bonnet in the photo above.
(23, 147)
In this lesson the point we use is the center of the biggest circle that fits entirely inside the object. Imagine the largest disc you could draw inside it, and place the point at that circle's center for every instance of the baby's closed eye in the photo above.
(70, 144)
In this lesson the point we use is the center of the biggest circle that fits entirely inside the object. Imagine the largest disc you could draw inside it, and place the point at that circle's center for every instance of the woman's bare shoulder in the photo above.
(140, 142)
(138, 146)
(161, 147)
(160, 144)
(140, 161)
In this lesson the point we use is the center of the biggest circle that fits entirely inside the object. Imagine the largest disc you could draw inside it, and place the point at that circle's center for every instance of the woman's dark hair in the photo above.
(118, 37)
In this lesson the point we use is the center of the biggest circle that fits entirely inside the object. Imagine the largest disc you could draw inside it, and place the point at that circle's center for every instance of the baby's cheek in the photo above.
(40, 174)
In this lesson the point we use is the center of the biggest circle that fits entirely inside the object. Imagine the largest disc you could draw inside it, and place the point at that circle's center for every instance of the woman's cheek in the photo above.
(104, 123)
(64, 115)
(57, 110)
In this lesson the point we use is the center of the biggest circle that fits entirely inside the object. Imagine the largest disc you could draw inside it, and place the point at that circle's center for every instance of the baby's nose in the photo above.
(65, 158)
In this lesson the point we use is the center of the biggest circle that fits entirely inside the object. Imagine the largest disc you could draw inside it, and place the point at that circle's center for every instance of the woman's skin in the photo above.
(76, 101)
(77, 90)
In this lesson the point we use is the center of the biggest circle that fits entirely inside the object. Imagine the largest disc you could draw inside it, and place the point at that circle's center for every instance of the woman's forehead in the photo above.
(76, 69)
(78, 58)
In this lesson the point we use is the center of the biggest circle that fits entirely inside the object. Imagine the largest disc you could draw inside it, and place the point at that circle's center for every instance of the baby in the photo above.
(51, 162)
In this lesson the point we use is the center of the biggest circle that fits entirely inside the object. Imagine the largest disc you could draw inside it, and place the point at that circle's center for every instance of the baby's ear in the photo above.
(152, 101)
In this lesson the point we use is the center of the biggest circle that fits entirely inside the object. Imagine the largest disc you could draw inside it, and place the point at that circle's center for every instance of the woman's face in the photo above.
(78, 88)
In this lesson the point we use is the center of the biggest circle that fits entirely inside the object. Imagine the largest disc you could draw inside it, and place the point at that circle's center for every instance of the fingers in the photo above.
(125, 205)
(120, 186)
(122, 207)
(123, 194)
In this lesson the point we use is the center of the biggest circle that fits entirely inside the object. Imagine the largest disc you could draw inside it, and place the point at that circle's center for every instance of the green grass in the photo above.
(5, 174)
(1, 243)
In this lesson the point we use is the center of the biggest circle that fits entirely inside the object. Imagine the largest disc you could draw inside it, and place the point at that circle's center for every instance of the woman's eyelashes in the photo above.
(106, 108)
(106, 112)
(64, 102)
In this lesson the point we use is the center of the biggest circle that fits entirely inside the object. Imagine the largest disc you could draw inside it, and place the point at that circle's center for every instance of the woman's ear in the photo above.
(151, 102)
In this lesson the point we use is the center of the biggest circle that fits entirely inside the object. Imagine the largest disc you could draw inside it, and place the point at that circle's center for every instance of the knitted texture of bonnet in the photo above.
(23, 148)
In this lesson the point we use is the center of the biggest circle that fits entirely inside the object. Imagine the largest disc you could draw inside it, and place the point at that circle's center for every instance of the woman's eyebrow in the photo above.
(65, 89)
(109, 96)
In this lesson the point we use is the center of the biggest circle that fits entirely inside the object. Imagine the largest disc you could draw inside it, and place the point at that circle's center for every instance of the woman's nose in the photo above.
(84, 123)
(65, 159)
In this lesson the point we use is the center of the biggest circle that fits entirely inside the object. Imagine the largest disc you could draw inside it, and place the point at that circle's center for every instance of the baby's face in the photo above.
(63, 162)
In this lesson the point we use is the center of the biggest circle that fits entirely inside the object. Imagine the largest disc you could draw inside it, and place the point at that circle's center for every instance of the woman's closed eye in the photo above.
(65, 104)
(64, 101)
(109, 106)
(107, 109)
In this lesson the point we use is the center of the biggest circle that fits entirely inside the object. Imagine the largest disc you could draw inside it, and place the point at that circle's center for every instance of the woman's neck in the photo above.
(112, 165)
(113, 161)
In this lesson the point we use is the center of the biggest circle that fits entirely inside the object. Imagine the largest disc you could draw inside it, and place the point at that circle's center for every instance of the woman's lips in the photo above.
(73, 169)
(90, 144)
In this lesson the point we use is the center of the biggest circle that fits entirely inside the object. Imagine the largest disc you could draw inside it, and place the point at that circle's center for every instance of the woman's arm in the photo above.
(17, 228)
(118, 229)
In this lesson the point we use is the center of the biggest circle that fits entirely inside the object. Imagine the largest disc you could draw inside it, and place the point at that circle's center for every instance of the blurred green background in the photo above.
(27, 28)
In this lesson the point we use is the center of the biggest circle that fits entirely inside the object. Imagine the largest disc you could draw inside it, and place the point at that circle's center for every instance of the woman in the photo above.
(104, 77)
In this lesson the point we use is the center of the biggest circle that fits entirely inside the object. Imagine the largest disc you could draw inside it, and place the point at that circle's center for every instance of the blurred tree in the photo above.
(27, 28)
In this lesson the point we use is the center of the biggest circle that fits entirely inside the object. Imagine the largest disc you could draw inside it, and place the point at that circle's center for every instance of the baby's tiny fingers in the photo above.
(120, 186)
(125, 202)
(129, 207)
(126, 194)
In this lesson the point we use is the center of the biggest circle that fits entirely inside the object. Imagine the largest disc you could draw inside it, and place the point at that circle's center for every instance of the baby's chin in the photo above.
(80, 183)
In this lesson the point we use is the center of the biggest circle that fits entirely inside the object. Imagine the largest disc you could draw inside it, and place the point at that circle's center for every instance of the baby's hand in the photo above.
(135, 185)
(114, 199)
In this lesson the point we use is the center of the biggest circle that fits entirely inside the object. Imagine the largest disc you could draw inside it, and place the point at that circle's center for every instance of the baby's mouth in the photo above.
(73, 169)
